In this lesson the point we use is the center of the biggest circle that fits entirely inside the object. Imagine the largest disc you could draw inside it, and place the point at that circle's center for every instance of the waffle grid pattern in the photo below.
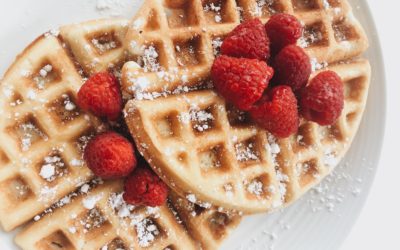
(179, 39)
(219, 153)
(109, 224)
(209, 226)
(43, 131)
(58, 132)
(230, 162)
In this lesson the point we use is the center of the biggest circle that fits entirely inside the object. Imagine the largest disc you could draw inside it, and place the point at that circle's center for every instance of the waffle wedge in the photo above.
(176, 41)
(202, 147)
(100, 219)
(210, 226)
(44, 178)
(43, 132)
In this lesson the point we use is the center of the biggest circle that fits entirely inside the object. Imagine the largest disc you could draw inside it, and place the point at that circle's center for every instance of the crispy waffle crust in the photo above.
(199, 145)
(176, 41)
(203, 147)
(113, 224)
(42, 128)
(210, 226)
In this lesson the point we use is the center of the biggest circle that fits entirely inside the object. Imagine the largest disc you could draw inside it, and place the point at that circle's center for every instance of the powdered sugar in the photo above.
(255, 187)
(30, 133)
(228, 190)
(149, 60)
(315, 65)
(216, 8)
(283, 179)
(104, 46)
(76, 162)
(192, 198)
(146, 231)
(90, 202)
(273, 148)
(201, 119)
(47, 193)
(40, 79)
(330, 160)
(326, 4)
(216, 44)
(245, 152)
(258, 7)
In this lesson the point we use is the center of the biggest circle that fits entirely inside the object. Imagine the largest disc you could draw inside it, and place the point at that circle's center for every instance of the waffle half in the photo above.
(44, 178)
(42, 130)
(176, 41)
(204, 148)
(100, 219)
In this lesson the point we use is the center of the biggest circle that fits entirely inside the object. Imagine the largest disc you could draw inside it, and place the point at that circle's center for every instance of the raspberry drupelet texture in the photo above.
(110, 155)
(322, 100)
(248, 40)
(144, 187)
(277, 112)
(240, 81)
(283, 29)
(292, 67)
(101, 95)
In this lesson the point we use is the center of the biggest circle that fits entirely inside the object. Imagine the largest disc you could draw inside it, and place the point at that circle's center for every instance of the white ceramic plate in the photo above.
(320, 220)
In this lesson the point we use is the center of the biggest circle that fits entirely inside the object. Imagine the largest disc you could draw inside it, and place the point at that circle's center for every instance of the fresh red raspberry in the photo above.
(292, 67)
(145, 188)
(110, 155)
(322, 100)
(283, 29)
(240, 81)
(248, 40)
(277, 112)
(101, 95)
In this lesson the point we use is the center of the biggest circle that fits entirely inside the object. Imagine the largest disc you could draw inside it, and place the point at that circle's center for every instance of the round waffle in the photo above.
(204, 148)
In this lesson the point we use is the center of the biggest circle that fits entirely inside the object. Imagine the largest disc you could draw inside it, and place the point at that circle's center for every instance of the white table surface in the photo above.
(377, 226)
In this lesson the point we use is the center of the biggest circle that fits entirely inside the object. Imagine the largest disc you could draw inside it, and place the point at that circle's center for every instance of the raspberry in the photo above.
(292, 67)
(144, 187)
(277, 112)
(110, 155)
(240, 81)
(248, 40)
(322, 100)
(283, 29)
(101, 95)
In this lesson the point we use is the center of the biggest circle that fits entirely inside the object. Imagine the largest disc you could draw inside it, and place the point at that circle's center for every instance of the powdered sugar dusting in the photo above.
(245, 152)
(146, 229)
(193, 199)
(315, 65)
(51, 166)
(216, 8)
(147, 232)
(216, 44)
(255, 187)
(90, 202)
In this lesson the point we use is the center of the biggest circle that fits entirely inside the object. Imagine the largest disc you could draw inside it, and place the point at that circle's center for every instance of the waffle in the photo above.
(175, 41)
(206, 149)
(43, 132)
(97, 45)
(99, 219)
(60, 200)
(210, 226)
